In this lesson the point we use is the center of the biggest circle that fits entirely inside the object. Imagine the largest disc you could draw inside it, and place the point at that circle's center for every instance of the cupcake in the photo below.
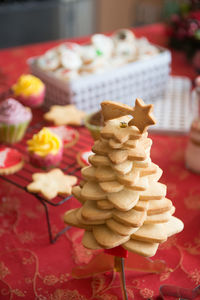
(94, 123)
(29, 90)
(45, 149)
(14, 120)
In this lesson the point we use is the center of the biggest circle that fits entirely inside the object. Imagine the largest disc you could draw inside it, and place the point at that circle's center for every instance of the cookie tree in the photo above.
(123, 202)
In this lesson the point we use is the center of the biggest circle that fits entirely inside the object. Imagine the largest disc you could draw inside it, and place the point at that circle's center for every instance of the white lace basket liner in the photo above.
(143, 78)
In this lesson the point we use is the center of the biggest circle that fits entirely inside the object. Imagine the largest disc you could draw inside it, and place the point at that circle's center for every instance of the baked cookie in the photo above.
(141, 113)
(65, 115)
(67, 134)
(11, 160)
(52, 184)
(83, 157)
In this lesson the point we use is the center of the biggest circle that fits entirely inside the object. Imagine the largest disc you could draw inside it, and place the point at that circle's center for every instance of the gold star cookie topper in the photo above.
(141, 113)
(52, 183)
(64, 115)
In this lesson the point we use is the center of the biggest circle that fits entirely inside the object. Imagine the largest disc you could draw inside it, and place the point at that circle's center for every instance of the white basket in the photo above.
(144, 78)
(173, 110)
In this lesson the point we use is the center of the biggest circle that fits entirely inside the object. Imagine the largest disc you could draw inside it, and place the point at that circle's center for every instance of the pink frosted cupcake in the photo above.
(29, 90)
(45, 149)
(14, 120)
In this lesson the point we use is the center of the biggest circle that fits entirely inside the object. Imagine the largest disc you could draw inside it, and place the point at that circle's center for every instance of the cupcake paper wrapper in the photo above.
(12, 133)
(94, 129)
(33, 100)
(48, 161)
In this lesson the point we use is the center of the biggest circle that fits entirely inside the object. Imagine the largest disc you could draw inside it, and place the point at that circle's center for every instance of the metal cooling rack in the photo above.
(68, 165)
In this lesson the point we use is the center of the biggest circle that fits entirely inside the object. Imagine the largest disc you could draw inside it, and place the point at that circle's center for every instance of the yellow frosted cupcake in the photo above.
(29, 90)
(45, 149)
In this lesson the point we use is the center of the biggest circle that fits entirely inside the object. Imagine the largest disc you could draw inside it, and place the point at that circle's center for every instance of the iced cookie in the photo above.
(123, 35)
(68, 135)
(11, 161)
(50, 61)
(103, 44)
(125, 46)
(83, 157)
(70, 60)
(66, 74)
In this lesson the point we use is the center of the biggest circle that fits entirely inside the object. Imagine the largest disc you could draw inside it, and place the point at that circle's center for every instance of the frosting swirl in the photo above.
(28, 85)
(44, 142)
(13, 112)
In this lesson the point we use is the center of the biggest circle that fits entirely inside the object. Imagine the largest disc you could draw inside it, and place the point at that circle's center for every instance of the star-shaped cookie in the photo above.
(142, 117)
(119, 130)
(52, 184)
(141, 113)
(64, 115)
(111, 110)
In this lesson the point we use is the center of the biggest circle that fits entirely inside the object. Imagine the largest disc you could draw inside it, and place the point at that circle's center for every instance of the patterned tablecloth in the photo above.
(32, 268)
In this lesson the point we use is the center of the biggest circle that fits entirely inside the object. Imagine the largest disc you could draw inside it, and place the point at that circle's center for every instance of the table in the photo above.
(32, 268)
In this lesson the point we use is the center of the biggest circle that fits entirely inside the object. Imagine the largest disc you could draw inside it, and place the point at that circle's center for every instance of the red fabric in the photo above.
(31, 268)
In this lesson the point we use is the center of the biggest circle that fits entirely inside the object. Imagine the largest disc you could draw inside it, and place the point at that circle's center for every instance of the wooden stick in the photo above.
(119, 267)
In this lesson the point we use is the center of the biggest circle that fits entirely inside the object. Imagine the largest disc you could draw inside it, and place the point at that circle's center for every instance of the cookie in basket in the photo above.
(103, 44)
(123, 35)
(70, 60)
(52, 184)
(50, 61)
(66, 74)
(11, 161)
(68, 135)
(45, 149)
(125, 45)
(65, 115)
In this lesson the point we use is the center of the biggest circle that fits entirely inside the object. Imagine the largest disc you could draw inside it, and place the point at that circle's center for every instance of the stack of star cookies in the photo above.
(123, 202)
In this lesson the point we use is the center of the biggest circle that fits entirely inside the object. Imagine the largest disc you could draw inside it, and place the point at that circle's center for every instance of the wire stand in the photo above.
(43, 202)
(68, 165)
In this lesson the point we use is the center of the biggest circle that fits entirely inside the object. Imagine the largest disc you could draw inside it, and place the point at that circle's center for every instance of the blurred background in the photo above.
(31, 21)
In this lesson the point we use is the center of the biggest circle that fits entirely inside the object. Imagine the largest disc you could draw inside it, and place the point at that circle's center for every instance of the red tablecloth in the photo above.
(31, 268)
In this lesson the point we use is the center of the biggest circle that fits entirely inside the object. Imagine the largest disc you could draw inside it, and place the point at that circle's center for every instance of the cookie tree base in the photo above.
(132, 262)
(114, 260)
